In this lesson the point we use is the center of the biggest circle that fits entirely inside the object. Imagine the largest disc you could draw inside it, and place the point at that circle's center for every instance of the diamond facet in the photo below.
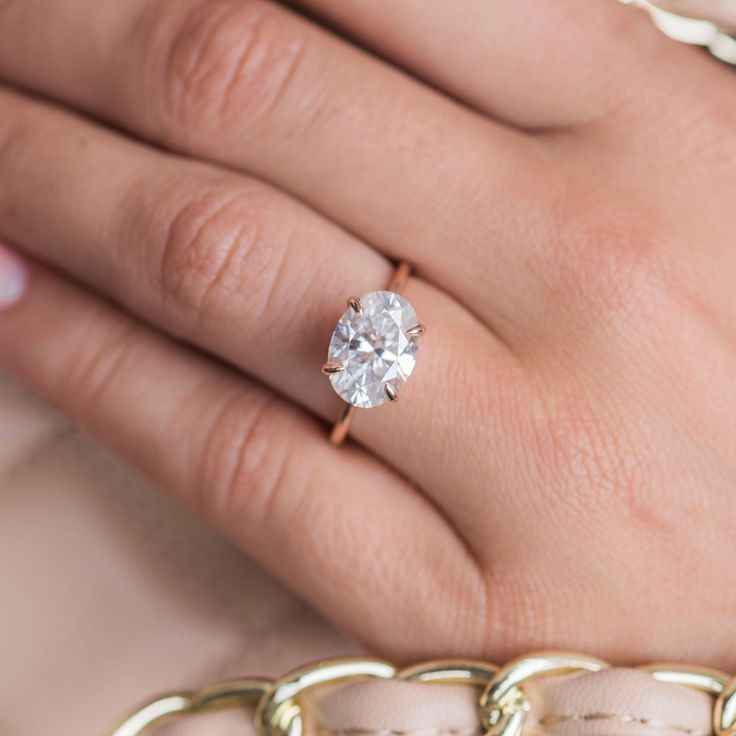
(374, 348)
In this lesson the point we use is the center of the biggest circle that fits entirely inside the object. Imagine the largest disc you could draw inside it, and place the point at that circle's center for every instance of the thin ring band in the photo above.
(342, 424)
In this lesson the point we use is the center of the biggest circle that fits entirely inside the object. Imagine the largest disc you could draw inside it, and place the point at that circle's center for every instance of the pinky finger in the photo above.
(353, 538)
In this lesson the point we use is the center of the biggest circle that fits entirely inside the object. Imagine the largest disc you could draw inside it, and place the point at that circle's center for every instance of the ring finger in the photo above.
(251, 86)
(239, 269)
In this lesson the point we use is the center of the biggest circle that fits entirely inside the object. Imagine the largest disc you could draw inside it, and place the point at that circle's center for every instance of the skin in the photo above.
(197, 185)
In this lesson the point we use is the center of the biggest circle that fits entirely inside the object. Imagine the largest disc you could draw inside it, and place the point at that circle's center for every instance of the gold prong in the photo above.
(329, 368)
(418, 329)
(354, 304)
(391, 392)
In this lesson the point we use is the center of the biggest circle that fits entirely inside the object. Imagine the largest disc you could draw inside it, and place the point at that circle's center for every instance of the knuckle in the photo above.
(11, 13)
(241, 468)
(212, 244)
(603, 262)
(221, 59)
(593, 459)
(98, 362)
(16, 132)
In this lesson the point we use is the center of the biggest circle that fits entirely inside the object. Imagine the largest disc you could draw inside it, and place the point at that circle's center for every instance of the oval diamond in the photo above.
(373, 348)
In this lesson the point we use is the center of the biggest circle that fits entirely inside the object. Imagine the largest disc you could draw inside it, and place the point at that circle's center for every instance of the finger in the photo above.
(238, 269)
(220, 260)
(253, 86)
(332, 523)
(535, 65)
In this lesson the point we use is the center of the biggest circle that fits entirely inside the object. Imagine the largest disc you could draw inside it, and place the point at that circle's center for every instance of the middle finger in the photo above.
(253, 86)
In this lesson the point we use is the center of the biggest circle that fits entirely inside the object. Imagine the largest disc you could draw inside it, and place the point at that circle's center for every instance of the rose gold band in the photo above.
(342, 424)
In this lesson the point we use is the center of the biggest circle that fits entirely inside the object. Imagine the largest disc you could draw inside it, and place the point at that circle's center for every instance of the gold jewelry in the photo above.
(502, 707)
(373, 350)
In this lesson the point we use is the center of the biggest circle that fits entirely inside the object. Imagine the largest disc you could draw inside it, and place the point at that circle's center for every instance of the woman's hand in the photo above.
(561, 468)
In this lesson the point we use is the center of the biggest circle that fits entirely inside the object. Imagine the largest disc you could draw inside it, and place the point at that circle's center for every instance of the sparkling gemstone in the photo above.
(373, 348)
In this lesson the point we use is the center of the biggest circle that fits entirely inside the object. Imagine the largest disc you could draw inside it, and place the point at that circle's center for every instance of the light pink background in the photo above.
(111, 593)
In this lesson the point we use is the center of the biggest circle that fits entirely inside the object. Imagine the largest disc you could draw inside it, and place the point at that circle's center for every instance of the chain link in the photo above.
(502, 706)
(724, 713)
(279, 712)
(241, 693)
(450, 672)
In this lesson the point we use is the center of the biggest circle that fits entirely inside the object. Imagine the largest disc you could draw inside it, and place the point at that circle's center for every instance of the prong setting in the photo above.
(391, 392)
(370, 347)
(354, 304)
(373, 348)
(330, 369)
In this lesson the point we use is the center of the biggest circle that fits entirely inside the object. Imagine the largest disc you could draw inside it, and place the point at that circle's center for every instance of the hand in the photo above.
(560, 468)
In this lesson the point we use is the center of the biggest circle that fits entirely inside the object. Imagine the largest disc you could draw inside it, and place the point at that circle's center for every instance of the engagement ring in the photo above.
(373, 350)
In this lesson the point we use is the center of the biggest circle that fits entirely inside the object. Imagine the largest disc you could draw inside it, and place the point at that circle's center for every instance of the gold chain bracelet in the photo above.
(502, 707)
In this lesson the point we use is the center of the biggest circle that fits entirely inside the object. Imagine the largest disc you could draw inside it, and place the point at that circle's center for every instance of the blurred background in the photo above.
(111, 593)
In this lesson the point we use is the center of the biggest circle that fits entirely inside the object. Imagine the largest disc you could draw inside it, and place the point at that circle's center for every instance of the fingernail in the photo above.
(13, 276)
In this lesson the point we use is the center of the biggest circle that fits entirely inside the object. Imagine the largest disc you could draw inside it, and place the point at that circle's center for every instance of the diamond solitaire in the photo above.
(373, 350)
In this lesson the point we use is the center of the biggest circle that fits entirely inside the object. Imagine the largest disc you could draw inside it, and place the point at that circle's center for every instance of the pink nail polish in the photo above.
(13, 276)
